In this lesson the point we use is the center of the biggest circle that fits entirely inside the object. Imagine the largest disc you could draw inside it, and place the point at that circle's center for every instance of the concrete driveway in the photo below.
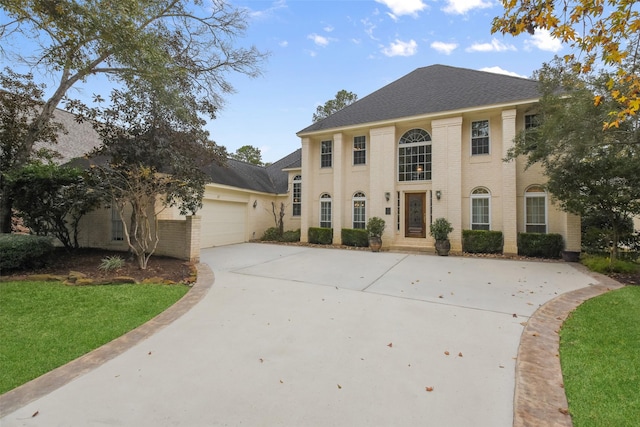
(298, 336)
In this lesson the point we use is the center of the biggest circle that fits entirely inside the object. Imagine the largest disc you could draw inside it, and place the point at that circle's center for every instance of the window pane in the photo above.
(480, 213)
(359, 150)
(480, 137)
(297, 196)
(325, 154)
(535, 215)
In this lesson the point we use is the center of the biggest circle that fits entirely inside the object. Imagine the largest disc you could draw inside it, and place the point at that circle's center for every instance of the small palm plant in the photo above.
(111, 263)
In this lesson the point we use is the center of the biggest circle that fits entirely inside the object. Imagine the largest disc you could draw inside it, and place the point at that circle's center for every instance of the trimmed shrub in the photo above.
(291, 236)
(482, 241)
(271, 235)
(540, 245)
(354, 237)
(22, 251)
(322, 236)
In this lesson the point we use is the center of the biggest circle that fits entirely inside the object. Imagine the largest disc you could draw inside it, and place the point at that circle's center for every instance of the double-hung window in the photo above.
(325, 210)
(326, 154)
(480, 209)
(359, 210)
(480, 137)
(297, 196)
(359, 150)
(535, 210)
(117, 227)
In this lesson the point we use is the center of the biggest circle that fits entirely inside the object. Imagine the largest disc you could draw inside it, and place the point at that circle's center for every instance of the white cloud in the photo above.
(543, 40)
(400, 48)
(460, 7)
(328, 28)
(311, 53)
(443, 47)
(283, 43)
(495, 46)
(318, 39)
(404, 7)
(368, 28)
(499, 70)
(267, 13)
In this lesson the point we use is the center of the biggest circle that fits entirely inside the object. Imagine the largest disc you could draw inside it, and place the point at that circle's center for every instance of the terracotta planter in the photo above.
(443, 247)
(375, 243)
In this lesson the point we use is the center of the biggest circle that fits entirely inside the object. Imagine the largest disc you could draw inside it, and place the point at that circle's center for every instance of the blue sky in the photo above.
(318, 47)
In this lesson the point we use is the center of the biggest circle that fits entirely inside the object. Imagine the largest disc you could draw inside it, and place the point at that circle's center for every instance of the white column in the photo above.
(305, 187)
(509, 185)
(337, 196)
(382, 178)
(447, 175)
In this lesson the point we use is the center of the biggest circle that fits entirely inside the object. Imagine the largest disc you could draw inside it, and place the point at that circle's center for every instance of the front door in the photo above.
(415, 215)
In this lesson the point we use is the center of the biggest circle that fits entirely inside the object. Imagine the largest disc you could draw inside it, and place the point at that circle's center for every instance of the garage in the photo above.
(223, 223)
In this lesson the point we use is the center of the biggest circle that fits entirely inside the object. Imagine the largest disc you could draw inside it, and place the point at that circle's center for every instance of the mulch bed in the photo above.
(87, 262)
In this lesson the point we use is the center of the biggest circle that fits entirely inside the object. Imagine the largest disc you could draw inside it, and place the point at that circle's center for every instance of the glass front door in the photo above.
(415, 215)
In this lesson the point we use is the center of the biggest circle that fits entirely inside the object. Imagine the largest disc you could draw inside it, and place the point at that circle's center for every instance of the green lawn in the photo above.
(600, 355)
(43, 325)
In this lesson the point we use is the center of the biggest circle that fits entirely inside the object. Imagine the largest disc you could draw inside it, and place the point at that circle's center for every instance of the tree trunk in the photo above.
(6, 203)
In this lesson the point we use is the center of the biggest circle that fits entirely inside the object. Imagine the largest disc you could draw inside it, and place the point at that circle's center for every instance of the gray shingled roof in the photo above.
(433, 89)
(78, 140)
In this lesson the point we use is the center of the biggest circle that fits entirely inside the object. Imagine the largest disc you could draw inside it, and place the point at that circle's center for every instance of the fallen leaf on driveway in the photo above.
(460, 354)
(428, 388)
(563, 411)
(390, 344)
(515, 315)
(339, 387)
(446, 352)
(35, 414)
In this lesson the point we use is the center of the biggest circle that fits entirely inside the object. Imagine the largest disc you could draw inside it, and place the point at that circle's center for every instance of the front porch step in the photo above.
(412, 249)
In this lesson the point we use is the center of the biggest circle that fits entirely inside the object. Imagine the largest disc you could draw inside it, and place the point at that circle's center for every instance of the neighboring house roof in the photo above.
(267, 179)
(78, 140)
(428, 90)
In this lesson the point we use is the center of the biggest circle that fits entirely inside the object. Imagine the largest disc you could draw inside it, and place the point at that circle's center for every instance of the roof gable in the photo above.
(428, 90)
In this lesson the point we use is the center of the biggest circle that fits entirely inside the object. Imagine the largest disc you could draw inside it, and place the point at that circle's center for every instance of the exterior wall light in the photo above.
(387, 196)
(255, 203)
(438, 194)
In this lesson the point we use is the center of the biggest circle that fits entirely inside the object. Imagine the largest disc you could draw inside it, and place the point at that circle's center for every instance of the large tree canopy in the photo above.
(249, 154)
(604, 33)
(591, 170)
(342, 99)
(172, 45)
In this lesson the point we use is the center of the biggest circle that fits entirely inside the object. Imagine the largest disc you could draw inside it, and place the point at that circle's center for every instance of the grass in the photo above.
(602, 264)
(44, 325)
(600, 356)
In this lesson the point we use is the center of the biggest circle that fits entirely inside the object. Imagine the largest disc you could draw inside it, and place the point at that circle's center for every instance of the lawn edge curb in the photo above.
(47, 383)
(539, 398)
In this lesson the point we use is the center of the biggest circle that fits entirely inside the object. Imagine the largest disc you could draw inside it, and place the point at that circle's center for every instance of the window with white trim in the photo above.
(535, 210)
(359, 210)
(480, 137)
(325, 210)
(480, 209)
(359, 150)
(414, 156)
(326, 154)
(117, 227)
(296, 201)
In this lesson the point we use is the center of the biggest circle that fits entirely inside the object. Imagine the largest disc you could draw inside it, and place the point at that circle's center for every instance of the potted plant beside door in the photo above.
(440, 230)
(375, 228)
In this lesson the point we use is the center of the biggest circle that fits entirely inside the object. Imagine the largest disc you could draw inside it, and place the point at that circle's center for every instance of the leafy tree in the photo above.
(606, 33)
(342, 99)
(249, 154)
(158, 41)
(20, 100)
(52, 199)
(591, 171)
(152, 157)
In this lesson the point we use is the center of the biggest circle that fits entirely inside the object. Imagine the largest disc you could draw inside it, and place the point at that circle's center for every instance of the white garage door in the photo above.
(223, 223)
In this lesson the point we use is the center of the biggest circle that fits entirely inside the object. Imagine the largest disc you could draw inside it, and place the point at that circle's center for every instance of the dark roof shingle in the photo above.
(432, 89)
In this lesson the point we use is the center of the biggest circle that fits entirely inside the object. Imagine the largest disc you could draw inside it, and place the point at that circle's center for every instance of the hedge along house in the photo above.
(430, 144)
